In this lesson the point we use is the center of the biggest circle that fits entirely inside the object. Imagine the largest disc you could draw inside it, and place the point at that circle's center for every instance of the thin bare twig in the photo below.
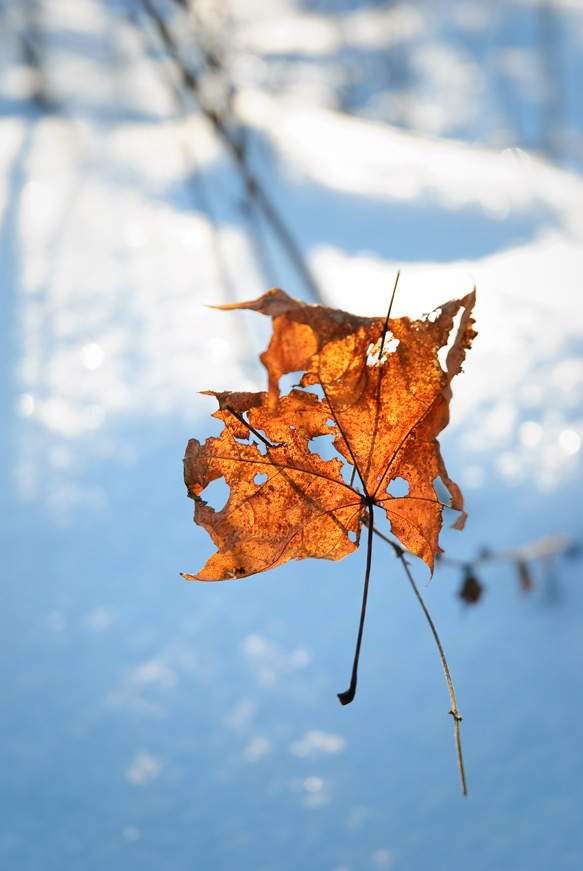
(400, 552)
(381, 371)
(386, 323)
(454, 711)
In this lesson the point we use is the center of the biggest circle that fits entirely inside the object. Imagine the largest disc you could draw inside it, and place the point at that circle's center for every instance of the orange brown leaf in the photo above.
(379, 389)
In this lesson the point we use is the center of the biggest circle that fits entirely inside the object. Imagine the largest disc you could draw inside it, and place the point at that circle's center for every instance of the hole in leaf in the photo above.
(323, 446)
(216, 494)
(316, 390)
(352, 535)
(288, 381)
(260, 478)
(443, 352)
(349, 475)
(398, 487)
(252, 440)
(261, 446)
(390, 345)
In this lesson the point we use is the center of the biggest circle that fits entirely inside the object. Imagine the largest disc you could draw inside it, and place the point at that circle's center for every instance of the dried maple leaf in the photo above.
(379, 390)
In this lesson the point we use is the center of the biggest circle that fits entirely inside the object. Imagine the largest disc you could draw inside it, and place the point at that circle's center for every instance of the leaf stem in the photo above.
(347, 696)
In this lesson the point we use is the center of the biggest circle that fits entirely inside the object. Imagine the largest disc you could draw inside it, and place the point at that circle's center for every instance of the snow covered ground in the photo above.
(153, 723)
